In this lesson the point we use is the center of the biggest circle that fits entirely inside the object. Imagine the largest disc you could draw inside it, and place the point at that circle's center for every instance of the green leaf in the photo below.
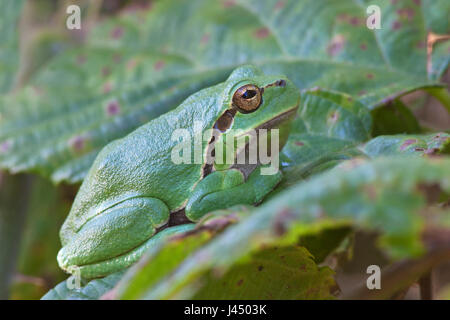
(435, 15)
(151, 269)
(431, 144)
(328, 127)
(9, 56)
(140, 65)
(384, 195)
(325, 242)
(160, 260)
(279, 273)
(94, 290)
(394, 118)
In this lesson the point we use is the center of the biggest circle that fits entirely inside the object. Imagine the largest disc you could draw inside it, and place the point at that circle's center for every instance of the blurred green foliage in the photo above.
(357, 156)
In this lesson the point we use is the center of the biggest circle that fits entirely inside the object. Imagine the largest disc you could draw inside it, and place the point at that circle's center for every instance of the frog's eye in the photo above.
(247, 98)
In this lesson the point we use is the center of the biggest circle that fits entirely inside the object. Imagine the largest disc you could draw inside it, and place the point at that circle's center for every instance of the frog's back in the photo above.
(140, 164)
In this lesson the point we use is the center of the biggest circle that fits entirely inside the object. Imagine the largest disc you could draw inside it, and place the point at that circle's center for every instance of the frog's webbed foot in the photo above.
(223, 189)
(113, 233)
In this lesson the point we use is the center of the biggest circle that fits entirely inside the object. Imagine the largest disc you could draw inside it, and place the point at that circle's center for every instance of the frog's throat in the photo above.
(247, 169)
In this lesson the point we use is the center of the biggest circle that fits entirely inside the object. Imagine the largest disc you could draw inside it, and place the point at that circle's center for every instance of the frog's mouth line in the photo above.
(278, 119)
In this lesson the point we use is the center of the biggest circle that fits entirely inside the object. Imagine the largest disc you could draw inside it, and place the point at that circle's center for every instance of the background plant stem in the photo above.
(14, 194)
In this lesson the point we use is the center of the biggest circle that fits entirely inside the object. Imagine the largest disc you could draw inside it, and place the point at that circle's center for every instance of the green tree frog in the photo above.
(135, 194)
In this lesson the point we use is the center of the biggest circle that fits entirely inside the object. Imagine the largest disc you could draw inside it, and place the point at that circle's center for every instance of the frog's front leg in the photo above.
(112, 235)
(223, 189)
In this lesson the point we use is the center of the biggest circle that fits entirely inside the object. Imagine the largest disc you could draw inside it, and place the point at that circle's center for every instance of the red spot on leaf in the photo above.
(355, 21)
(369, 76)
(279, 5)
(138, 6)
(352, 20)
(370, 191)
(229, 3)
(343, 17)
(299, 143)
(417, 2)
(396, 25)
(421, 44)
(113, 108)
(262, 33)
(107, 87)
(205, 38)
(159, 65)
(77, 143)
(406, 13)
(106, 71)
(363, 46)
(336, 45)
(407, 143)
(117, 33)
(4, 147)
(240, 282)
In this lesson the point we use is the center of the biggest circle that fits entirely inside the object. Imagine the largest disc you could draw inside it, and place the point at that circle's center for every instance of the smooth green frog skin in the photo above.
(134, 194)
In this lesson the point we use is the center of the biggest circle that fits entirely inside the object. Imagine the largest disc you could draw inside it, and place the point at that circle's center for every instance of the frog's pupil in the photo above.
(248, 94)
